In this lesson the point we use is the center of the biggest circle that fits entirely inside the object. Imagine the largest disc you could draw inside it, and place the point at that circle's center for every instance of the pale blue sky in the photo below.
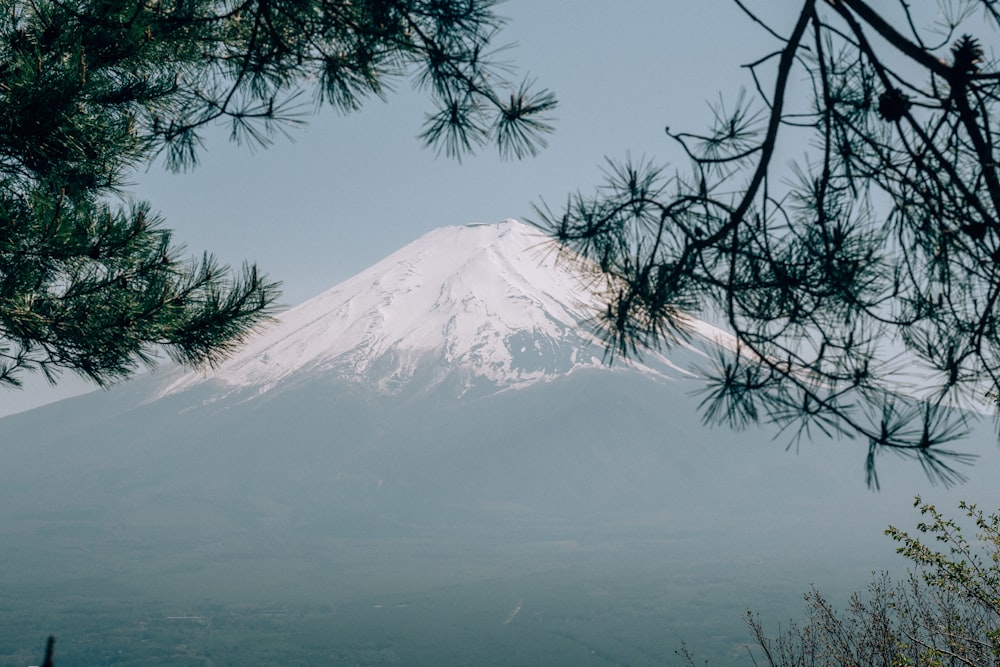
(348, 190)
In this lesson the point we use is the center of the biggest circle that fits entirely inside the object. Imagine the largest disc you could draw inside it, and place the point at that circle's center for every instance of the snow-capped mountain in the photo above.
(481, 307)
(585, 491)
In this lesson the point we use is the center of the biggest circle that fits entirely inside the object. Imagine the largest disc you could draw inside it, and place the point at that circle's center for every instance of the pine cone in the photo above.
(893, 105)
(967, 53)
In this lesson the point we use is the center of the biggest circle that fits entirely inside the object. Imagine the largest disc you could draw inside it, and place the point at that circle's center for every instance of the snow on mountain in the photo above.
(486, 303)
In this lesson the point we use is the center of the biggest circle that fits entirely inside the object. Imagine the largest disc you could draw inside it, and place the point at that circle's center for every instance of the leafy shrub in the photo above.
(945, 613)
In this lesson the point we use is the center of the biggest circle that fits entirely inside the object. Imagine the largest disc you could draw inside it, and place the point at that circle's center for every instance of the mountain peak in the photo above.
(480, 306)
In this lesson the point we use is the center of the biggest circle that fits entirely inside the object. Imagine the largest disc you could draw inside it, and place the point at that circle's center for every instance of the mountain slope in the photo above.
(326, 492)
(477, 307)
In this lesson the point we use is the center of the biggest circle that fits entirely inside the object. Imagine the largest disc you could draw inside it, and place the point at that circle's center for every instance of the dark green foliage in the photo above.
(90, 90)
(867, 272)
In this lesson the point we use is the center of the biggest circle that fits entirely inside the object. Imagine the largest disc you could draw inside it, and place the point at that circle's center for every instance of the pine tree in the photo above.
(90, 90)
(861, 284)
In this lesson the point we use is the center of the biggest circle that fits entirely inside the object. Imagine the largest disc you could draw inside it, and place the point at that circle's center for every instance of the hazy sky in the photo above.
(348, 190)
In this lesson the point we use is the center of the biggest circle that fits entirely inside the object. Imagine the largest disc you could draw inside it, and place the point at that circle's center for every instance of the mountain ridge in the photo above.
(488, 306)
(594, 493)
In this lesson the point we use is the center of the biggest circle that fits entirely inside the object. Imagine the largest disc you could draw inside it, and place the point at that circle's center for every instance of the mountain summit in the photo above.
(474, 308)
(269, 505)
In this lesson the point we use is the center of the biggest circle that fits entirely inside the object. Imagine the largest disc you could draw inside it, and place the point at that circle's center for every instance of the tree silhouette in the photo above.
(90, 90)
(861, 285)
